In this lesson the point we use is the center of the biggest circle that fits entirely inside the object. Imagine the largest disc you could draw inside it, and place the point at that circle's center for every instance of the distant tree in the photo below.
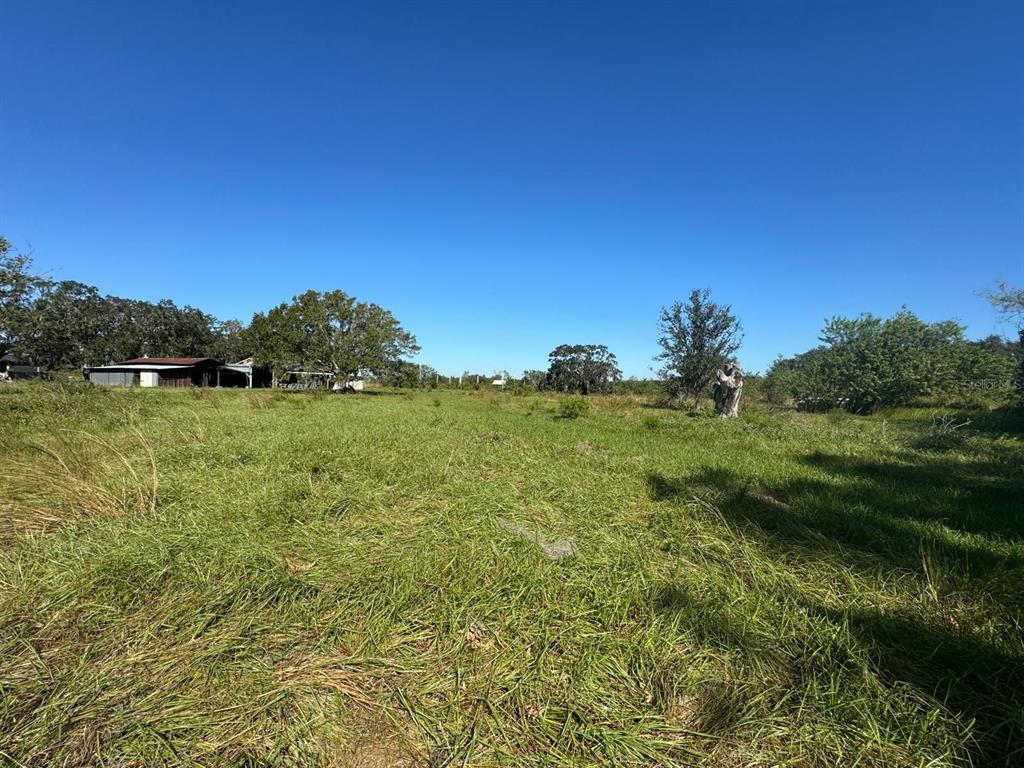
(172, 331)
(697, 338)
(332, 332)
(19, 289)
(635, 386)
(229, 342)
(405, 374)
(63, 326)
(471, 380)
(128, 328)
(583, 368)
(534, 378)
(784, 376)
(999, 345)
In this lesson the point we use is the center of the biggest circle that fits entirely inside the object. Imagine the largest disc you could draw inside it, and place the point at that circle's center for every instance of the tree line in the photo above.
(67, 324)
(861, 364)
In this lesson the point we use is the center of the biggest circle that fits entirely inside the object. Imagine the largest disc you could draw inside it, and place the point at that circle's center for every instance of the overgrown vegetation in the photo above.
(869, 362)
(242, 578)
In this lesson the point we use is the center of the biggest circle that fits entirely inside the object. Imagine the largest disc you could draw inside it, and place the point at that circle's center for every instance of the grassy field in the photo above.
(260, 578)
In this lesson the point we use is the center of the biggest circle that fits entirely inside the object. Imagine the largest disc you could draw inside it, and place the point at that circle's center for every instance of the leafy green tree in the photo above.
(63, 326)
(408, 375)
(175, 331)
(229, 341)
(697, 338)
(782, 380)
(19, 289)
(583, 368)
(332, 332)
(69, 324)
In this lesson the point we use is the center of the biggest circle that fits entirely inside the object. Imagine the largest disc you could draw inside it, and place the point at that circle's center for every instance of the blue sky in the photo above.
(506, 177)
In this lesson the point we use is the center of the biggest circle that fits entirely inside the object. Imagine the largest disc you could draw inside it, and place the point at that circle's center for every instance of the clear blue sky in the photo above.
(509, 176)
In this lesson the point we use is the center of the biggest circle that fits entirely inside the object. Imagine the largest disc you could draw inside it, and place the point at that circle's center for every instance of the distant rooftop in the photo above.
(167, 361)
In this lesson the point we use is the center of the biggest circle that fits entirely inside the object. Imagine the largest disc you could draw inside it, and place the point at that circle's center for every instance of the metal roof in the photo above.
(136, 367)
(167, 361)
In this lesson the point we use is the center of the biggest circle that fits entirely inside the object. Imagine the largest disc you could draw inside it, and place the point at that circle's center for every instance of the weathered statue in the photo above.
(727, 390)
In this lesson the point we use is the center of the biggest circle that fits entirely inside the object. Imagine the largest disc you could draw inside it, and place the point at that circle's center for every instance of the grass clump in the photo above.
(261, 579)
(574, 407)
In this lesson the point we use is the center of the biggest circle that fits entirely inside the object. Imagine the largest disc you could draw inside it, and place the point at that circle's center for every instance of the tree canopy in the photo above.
(868, 362)
(18, 290)
(67, 324)
(583, 368)
(331, 332)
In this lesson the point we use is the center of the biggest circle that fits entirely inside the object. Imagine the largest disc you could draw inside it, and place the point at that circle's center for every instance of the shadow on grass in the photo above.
(972, 677)
(966, 517)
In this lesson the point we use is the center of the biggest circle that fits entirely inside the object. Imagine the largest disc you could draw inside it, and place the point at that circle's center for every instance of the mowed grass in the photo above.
(441, 578)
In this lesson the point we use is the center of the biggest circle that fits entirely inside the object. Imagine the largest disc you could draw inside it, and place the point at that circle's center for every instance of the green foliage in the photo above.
(634, 386)
(867, 362)
(229, 343)
(574, 408)
(67, 324)
(534, 379)
(583, 368)
(333, 332)
(408, 375)
(651, 422)
(696, 339)
(19, 289)
(1010, 303)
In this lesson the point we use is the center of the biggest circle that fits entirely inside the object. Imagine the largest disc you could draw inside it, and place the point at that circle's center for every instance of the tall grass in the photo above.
(267, 578)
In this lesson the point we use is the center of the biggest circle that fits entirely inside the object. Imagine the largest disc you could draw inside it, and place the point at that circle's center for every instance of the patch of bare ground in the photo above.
(374, 732)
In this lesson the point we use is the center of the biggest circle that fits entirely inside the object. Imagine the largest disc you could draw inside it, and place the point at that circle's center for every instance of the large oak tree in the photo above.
(584, 368)
(331, 332)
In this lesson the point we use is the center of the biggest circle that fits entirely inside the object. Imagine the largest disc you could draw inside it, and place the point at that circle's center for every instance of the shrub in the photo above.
(574, 407)
(869, 362)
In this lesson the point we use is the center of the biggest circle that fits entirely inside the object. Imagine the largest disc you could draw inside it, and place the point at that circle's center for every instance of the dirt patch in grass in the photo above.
(375, 732)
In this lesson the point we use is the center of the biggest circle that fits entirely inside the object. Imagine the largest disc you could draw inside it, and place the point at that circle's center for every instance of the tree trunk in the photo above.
(728, 390)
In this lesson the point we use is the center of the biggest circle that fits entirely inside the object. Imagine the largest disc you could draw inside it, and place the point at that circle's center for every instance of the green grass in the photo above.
(261, 578)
